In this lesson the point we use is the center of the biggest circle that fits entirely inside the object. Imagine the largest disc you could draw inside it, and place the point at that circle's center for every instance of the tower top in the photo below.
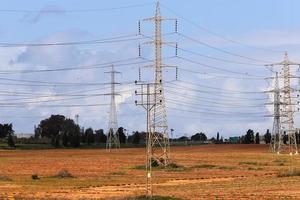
(157, 8)
(286, 56)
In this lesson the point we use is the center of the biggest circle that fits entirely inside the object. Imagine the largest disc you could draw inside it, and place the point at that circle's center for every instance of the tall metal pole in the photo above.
(148, 103)
(149, 145)
(112, 134)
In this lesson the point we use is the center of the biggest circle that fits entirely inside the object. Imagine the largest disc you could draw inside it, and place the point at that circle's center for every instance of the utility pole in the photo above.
(112, 135)
(277, 140)
(160, 140)
(287, 108)
(147, 92)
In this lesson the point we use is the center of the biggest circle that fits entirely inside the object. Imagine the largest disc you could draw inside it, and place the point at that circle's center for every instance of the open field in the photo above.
(205, 172)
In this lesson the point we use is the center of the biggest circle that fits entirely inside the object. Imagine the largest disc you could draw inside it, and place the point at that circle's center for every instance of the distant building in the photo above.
(24, 135)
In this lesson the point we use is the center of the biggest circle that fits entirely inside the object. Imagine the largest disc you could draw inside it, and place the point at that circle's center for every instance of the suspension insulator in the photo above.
(139, 27)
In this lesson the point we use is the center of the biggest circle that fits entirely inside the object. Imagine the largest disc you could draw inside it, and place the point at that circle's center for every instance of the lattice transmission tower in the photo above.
(160, 136)
(112, 133)
(288, 110)
(277, 137)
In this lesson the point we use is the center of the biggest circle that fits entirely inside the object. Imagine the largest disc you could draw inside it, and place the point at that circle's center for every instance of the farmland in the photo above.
(201, 172)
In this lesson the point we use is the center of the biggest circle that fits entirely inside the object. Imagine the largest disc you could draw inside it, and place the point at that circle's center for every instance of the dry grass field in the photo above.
(205, 172)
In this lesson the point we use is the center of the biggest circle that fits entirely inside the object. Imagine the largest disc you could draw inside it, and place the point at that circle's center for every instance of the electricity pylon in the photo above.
(112, 134)
(77, 119)
(160, 138)
(277, 139)
(147, 92)
(287, 108)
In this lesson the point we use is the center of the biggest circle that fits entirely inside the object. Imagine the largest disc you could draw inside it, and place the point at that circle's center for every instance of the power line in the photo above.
(214, 58)
(221, 76)
(73, 97)
(60, 84)
(88, 42)
(222, 114)
(222, 50)
(218, 68)
(222, 102)
(82, 67)
(219, 35)
(61, 106)
(216, 88)
(216, 94)
(214, 104)
(75, 10)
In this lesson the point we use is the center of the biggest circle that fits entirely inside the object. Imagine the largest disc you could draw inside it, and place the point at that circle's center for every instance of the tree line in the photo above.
(62, 131)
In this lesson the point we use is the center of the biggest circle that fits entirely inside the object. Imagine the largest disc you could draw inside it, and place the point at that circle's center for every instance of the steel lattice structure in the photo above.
(277, 138)
(160, 136)
(287, 113)
(112, 133)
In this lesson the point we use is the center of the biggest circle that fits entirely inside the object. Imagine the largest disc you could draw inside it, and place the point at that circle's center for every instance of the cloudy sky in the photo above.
(222, 49)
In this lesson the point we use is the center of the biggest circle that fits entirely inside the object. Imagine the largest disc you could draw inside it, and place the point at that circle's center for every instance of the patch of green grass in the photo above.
(118, 173)
(138, 167)
(279, 162)
(289, 174)
(209, 166)
(153, 198)
(204, 166)
(173, 167)
(248, 163)
(255, 168)
(226, 167)
(252, 163)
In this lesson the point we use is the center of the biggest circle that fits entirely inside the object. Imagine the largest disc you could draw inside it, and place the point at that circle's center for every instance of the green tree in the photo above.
(122, 136)
(8, 128)
(199, 137)
(249, 137)
(136, 138)
(257, 139)
(57, 127)
(5, 130)
(65, 139)
(267, 137)
(89, 133)
(75, 137)
(101, 137)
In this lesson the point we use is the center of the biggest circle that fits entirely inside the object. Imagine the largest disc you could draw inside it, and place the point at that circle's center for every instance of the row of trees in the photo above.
(64, 131)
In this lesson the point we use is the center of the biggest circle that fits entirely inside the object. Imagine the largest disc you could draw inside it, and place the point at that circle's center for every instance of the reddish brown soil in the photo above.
(209, 172)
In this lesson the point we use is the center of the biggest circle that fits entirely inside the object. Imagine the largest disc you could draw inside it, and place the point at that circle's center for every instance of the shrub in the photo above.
(35, 177)
(64, 174)
(289, 174)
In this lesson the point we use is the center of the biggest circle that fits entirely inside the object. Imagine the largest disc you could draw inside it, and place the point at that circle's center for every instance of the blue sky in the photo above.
(268, 28)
